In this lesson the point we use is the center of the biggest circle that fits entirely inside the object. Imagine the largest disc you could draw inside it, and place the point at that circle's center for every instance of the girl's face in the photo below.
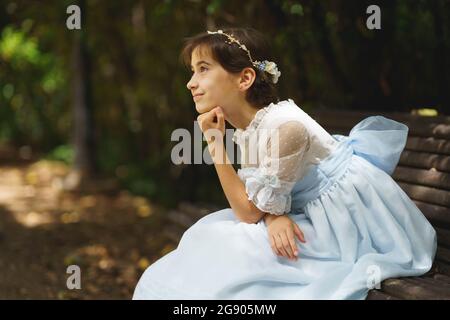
(210, 84)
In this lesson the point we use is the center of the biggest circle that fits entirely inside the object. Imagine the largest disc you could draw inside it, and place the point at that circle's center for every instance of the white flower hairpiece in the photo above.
(266, 66)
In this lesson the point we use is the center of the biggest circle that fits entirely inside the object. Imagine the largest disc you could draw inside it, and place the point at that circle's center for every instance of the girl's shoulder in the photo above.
(287, 111)
(281, 112)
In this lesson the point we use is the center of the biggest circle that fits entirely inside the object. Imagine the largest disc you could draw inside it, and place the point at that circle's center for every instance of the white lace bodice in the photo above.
(277, 148)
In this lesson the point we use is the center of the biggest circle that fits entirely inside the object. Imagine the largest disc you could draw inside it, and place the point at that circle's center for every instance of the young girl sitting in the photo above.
(314, 216)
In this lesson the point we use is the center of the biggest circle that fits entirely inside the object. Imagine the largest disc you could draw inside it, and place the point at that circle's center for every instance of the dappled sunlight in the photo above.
(32, 219)
(113, 238)
(40, 186)
(425, 112)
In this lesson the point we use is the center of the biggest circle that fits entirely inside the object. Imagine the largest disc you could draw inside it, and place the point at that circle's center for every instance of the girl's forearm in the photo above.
(232, 186)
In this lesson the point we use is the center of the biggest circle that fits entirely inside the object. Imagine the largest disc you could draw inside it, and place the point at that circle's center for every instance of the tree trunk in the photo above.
(83, 125)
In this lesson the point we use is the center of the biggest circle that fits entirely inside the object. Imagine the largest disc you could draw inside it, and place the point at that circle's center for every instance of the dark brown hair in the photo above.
(233, 59)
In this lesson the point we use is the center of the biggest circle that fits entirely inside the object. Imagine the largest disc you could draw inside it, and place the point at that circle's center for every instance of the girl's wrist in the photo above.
(218, 152)
(214, 141)
(269, 217)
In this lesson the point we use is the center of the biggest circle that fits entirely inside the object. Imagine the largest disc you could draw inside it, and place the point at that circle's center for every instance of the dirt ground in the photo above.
(112, 237)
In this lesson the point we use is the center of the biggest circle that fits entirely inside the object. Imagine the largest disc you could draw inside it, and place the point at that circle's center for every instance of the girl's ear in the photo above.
(247, 78)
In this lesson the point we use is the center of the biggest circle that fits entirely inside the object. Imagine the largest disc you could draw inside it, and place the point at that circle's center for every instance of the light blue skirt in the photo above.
(360, 228)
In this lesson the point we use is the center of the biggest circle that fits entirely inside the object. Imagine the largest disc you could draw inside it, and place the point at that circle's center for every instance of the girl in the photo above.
(354, 225)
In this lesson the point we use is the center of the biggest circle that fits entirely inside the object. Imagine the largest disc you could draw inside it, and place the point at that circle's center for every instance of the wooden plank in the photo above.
(197, 211)
(379, 295)
(430, 178)
(441, 289)
(412, 290)
(354, 116)
(437, 130)
(438, 215)
(417, 127)
(337, 131)
(443, 255)
(430, 144)
(442, 278)
(442, 267)
(443, 237)
(418, 144)
(425, 160)
(426, 194)
(435, 282)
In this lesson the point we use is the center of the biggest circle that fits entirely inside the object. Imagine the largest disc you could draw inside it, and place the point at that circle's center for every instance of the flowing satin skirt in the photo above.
(360, 228)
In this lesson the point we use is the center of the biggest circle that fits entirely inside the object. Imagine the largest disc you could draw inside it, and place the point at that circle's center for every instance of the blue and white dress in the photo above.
(359, 225)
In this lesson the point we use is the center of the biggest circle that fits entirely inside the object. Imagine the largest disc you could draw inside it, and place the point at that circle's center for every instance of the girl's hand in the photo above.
(282, 231)
(212, 123)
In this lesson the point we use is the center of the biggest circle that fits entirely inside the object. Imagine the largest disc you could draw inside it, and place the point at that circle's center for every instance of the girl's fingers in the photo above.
(287, 246)
(200, 119)
(281, 246)
(291, 238)
(221, 119)
(299, 233)
(273, 244)
(209, 116)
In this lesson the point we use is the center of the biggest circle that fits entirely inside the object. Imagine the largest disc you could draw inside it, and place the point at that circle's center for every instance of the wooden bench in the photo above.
(423, 173)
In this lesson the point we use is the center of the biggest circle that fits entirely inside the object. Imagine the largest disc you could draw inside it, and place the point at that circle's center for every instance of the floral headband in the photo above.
(267, 66)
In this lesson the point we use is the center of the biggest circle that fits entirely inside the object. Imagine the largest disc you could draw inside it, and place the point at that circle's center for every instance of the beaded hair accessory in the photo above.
(267, 66)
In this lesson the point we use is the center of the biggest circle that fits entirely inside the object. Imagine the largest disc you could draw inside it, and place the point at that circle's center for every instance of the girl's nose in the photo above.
(189, 84)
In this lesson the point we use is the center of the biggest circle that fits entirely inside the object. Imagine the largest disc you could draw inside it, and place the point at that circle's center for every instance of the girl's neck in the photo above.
(241, 117)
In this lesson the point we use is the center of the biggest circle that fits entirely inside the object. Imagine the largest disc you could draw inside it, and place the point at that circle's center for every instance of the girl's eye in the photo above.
(201, 69)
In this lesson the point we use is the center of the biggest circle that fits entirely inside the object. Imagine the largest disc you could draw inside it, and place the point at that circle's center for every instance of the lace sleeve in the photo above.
(269, 186)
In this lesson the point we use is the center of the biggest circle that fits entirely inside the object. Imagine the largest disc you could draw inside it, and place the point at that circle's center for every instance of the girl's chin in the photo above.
(201, 109)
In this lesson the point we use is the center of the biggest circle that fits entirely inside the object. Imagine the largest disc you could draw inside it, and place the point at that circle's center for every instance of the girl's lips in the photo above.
(196, 97)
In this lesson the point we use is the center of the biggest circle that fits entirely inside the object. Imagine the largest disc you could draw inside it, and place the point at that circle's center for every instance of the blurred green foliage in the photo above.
(64, 153)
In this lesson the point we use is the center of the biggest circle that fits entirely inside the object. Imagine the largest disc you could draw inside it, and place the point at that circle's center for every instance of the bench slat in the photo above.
(426, 194)
(429, 144)
(425, 160)
(443, 237)
(418, 144)
(430, 178)
(406, 289)
(355, 116)
(442, 267)
(432, 281)
(438, 130)
(442, 289)
(379, 295)
(436, 214)
(197, 212)
(442, 278)
(416, 128)
(443, 255)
